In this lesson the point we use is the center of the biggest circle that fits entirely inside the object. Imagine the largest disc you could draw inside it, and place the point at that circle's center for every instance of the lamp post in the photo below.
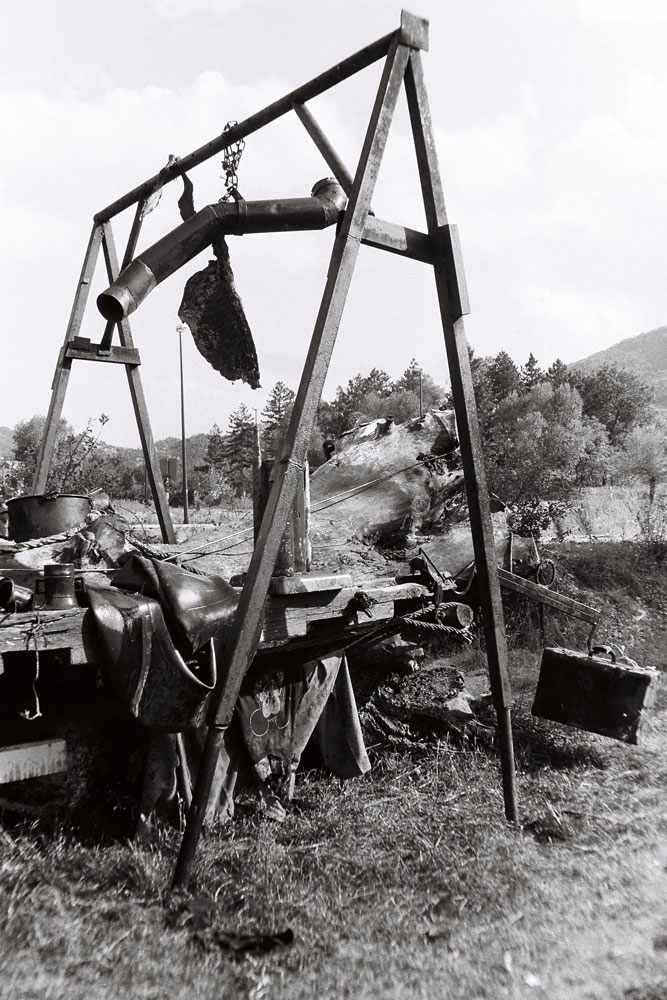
(186, 513)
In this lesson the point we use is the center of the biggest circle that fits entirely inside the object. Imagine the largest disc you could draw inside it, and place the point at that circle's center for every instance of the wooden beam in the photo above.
(331, 157)
(341, 71)
(32, 760)
(397, 239)
(64, 364)
(139, 406)
(95, 352)
(449, 299)
(128, 255)
(246, 628)
(536, 592)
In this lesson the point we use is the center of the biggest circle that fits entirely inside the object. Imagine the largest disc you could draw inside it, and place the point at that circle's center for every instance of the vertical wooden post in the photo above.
(450, 285)
(64, 364)
(246, 628)
(139, 405)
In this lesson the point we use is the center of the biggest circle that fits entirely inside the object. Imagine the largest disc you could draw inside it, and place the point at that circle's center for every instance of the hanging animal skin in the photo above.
(214, 312)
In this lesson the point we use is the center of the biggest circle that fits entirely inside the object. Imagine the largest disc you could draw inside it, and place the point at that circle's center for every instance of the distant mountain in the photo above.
(6, 442)
(644, 356)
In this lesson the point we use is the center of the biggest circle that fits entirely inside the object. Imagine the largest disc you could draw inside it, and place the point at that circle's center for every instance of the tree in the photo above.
(275, 415)
(75, 464)
(347, 408)
(215, 448)
(617, 398)
(502, 377)
(558, 373)
(239, 446)
(531, 373)
(644, 456)
(538, 442)
(420, 385)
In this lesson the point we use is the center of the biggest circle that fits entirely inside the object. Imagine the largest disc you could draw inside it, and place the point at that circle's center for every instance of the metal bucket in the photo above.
(43, 515)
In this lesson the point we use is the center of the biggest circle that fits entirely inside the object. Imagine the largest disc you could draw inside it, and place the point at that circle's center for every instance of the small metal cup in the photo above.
(14, 597)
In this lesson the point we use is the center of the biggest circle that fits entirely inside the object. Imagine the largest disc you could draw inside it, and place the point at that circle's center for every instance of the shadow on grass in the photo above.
(539, 745)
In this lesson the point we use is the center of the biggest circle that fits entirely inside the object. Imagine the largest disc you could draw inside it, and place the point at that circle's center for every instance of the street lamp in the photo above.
(186, 513)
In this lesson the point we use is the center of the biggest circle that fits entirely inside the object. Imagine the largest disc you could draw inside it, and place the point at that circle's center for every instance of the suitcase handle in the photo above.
(603, 649)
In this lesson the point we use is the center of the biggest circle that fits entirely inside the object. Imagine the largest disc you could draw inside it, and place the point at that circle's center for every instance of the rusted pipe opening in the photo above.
(134, 283)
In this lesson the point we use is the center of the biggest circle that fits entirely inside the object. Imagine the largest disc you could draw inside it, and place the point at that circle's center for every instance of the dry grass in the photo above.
(407, 883)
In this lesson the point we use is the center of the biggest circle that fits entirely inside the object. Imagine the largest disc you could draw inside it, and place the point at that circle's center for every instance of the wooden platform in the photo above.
(288, 616)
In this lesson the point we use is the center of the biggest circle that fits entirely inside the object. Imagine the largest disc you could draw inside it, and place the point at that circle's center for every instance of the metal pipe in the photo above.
(134, 283)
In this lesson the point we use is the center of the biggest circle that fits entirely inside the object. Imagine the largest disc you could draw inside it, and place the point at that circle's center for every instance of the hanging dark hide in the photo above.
(214, 312)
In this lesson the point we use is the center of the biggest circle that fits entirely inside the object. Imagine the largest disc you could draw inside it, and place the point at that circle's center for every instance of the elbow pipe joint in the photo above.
(139, 278)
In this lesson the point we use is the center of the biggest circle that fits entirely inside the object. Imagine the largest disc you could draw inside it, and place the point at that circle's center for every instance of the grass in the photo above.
(407, 883)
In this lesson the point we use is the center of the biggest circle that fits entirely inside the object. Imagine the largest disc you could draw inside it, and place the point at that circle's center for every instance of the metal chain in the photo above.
(230, 164)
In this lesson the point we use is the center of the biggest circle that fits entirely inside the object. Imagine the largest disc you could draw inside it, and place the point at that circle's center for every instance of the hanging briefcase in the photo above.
(594, 692)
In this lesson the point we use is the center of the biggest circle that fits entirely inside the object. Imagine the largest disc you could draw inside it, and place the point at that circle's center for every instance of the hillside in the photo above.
(644, 356)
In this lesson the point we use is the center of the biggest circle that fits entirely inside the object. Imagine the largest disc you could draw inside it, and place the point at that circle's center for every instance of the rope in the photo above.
(62, 536)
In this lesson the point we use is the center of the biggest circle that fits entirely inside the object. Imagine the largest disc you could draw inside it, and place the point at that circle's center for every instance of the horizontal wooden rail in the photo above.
(536, 592)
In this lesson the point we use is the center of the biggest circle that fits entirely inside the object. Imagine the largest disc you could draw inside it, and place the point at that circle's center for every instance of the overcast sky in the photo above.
(551, 125)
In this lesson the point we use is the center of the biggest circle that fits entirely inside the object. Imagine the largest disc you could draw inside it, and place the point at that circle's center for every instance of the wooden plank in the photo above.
(559, 602)
(290, 617)
(414, 30)
(285, 617)
(115, 355)
(331, 157)
(51, 630)
(64, 364)
(397, 239)
(32, 760)
(449, 299)
(309, 583)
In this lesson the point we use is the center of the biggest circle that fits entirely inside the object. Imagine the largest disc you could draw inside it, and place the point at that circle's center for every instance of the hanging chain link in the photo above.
(230, 164)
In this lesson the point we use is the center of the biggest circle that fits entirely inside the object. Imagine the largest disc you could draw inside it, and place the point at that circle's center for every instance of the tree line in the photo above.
(545, 432)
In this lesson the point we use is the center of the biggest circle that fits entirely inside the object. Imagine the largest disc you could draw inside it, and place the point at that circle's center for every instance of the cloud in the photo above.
(178, 10)
(622, 12)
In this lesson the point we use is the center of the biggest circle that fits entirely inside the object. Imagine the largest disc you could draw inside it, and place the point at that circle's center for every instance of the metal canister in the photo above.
(59, 587)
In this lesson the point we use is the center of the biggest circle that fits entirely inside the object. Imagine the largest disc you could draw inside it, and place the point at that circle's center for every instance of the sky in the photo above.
(550, 119)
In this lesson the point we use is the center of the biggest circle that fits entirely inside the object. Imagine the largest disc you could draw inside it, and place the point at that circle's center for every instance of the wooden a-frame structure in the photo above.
(438, 247)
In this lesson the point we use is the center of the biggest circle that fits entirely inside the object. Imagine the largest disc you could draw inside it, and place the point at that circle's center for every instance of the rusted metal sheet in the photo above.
(32, 760)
